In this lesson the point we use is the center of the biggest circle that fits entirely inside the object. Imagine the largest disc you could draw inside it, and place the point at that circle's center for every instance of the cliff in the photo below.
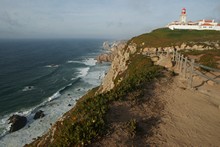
(118, 66)
(112, 49)
(129, 70)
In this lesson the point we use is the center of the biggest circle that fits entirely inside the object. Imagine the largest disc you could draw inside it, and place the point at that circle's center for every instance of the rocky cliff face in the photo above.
(113, 48)
(185, 46)
(122, 54)
(118, 66)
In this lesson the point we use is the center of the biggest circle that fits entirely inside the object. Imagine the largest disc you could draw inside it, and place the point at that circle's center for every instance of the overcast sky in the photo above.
(118, 19)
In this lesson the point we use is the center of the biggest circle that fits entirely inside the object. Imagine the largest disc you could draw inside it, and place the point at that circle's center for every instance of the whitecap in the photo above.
(54, 96)
(52, 65)
(83, 72)
(72, 79)
(70, 61)
(90, 61)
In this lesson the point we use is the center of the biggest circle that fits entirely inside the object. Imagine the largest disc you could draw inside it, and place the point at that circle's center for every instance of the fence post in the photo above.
(175, 56)
(181, 63)
(191, 73)
(184, 67)
(179, 60)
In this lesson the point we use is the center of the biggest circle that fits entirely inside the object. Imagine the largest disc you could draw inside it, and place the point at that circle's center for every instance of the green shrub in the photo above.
(131, 127)
(209, 61)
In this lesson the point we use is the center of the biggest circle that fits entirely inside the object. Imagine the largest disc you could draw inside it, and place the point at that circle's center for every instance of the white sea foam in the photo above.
(54, 96)
(70, 61)
(52, 65)
(87, 61)
(90, 61)
(73, 79)
(83, 72)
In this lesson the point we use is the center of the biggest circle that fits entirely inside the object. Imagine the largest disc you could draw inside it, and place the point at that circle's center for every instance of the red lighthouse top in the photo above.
(183, 11)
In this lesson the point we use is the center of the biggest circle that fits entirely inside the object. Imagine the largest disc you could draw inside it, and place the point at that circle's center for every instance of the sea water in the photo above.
(46, 75)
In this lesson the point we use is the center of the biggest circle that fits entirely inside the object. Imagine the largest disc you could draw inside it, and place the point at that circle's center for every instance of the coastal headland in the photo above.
(140, 103)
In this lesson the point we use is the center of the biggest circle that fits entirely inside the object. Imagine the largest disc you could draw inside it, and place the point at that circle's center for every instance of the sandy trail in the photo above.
(191, 118)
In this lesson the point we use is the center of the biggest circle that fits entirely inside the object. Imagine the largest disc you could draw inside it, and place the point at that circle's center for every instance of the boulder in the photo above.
(165, 61)
(211, 83)
(105, 58)
(106, 45)
(39, 114)
(17, 122)
(155, 58)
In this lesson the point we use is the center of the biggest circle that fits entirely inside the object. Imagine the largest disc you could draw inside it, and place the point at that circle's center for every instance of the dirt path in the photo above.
(191, 118)
(167, 115)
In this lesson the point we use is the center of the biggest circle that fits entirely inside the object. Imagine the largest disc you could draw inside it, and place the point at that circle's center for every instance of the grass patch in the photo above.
(164, 37)
(131, 127)
(208, 58)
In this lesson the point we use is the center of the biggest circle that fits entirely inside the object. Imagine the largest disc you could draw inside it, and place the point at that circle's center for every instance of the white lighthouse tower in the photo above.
(183, 16)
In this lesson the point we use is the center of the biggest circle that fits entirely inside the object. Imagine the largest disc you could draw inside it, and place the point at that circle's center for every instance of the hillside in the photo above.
(165, 37)
(132, 87)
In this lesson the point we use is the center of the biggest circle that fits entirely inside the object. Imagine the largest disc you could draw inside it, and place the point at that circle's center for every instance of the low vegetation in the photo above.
(131, 127)
(208, 58)
(164, 37)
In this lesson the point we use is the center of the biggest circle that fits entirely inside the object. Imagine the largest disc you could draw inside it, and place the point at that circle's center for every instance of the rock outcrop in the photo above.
(113, 48)
(17, 122)
(39, 114)
(105, 58)
(118, 66)
(185, 46)
(165, 61)
(106, 45)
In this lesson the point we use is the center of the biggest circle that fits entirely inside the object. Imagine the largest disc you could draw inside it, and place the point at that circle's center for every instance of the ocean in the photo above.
(48, 75)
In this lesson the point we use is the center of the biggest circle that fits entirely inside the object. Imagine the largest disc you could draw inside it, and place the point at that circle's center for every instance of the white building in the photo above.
(198, 25)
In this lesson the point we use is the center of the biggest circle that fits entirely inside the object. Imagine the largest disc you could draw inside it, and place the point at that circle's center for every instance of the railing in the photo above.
(188, 68)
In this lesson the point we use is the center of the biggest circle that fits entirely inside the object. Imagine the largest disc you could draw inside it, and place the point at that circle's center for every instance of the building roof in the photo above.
(206, 24)
(208, 20)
